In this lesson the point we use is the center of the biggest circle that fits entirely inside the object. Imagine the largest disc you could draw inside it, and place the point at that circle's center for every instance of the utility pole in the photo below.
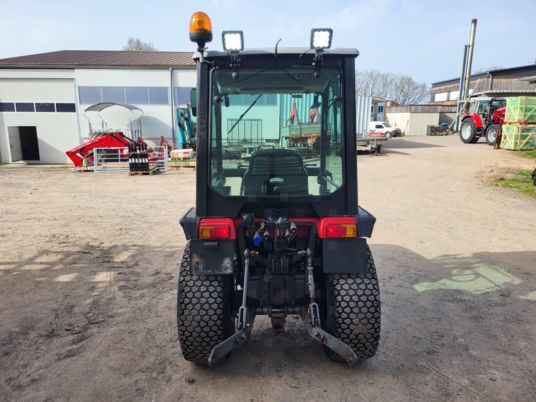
(461, 92)
(465, 78)
(470, 58)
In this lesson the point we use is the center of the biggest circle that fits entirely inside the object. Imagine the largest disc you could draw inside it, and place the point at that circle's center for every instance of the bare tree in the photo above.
(400, 88)
(138, 44)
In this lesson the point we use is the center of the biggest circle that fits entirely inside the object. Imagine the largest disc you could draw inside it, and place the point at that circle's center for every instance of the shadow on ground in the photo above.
(401, 143)
(108, 314)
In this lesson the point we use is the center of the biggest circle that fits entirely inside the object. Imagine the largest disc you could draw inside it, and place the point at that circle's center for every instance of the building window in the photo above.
(7, 107)
(45, 107)
(65, 107)
(25, 107)
(158, 96)
(182, 95)
(113, 94)
(137, 95)
(89, 95)
(380, 109)
(441, 97)
(246, 100)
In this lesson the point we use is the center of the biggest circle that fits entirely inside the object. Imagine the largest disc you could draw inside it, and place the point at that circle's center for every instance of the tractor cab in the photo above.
(276, 229)
(485, 107)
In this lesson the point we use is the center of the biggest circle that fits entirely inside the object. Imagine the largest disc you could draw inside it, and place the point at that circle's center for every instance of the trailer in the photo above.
(370, 144)
(364, 141)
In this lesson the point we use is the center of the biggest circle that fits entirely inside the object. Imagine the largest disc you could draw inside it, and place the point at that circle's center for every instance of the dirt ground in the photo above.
(89, 266)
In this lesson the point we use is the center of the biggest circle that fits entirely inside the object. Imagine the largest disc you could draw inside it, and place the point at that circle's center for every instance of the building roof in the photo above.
(512, 71)
(101, 59)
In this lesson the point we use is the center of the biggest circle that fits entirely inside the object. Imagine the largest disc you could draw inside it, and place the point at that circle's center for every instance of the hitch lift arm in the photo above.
(245, 321)
(315, 329)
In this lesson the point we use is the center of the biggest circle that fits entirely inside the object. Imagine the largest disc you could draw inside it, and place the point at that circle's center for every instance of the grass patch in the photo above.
(529, 154)
(520, 180)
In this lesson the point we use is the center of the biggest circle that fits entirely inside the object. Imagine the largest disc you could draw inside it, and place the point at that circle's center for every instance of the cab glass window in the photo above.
(276, 132)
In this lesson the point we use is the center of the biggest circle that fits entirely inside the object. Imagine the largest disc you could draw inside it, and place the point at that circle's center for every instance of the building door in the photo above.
(23, 143)
(14, 144)
(29, 144)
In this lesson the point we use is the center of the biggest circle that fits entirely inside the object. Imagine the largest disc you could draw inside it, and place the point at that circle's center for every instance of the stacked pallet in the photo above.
(519, 130)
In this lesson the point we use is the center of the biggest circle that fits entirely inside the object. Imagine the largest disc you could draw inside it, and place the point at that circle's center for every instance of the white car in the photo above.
(383, 129)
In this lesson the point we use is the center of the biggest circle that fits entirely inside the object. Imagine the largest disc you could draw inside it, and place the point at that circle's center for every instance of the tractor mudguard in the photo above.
(212, 257)
(190, 224)
(365, 222)
(208, 257)
(344, 256)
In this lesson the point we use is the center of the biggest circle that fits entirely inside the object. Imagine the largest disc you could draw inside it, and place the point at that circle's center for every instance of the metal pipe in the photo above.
(470, 58)
(460, 100)
(173, 110)
(246, 278)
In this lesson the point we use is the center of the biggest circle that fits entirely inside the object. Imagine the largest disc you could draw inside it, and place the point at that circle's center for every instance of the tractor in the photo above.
(276, 231)
(485, 117)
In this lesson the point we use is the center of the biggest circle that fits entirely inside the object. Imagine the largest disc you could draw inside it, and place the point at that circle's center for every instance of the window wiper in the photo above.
(243, 114)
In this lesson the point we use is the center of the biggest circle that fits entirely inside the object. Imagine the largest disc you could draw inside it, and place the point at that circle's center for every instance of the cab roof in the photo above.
(285, 51)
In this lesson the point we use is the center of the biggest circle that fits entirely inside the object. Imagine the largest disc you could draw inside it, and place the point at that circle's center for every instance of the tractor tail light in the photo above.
(337, 227)
(216, 229)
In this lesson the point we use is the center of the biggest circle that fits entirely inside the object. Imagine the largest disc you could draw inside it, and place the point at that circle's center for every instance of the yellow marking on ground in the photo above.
(481, 278)
(530, 296)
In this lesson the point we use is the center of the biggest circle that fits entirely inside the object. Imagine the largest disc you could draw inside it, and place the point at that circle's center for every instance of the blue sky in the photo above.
(423, 39)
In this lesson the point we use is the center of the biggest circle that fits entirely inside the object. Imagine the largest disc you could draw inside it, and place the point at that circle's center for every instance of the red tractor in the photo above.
(485, 118)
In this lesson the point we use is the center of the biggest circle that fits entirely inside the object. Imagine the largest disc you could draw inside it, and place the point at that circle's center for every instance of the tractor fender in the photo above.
(212, 257)
(476, 119)
(344, 256)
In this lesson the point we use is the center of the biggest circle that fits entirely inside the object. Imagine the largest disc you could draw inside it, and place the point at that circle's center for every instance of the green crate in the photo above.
(516, 137)
(521, 110)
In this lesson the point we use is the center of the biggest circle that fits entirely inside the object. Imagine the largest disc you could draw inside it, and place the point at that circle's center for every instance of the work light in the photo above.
(321, 38)
(233, 41)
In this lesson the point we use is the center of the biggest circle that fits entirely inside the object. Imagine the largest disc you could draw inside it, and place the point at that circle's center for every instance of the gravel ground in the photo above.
(89, 266)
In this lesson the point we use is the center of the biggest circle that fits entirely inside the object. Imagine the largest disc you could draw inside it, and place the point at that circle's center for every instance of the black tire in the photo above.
(492, 133)
(388, 134)
(204, 311)
(354, 310)
(468, 133)
(378, 149)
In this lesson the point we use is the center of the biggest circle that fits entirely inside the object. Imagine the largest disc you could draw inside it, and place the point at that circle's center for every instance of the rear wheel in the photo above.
(204, 311)
(354, 310)
(492, 133)
(468, 132)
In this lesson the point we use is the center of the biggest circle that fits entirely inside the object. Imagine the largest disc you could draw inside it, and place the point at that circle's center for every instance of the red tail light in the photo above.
(216, 229)
(337, 227)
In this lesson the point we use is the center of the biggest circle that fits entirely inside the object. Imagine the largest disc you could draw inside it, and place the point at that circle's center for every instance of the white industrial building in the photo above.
(43, 97)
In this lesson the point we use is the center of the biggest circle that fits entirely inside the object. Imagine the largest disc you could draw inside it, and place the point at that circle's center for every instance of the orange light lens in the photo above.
(337, 227)
(216, 229)
(339, 231)
(200, 22)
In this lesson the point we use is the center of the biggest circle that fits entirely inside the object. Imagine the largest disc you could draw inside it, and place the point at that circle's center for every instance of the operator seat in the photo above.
(268, 164)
